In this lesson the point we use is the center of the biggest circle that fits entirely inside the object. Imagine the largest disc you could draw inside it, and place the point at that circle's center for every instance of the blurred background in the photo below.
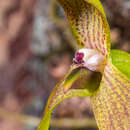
(36, 50)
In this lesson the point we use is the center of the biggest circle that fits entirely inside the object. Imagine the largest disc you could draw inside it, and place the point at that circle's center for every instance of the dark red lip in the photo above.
(79, 57)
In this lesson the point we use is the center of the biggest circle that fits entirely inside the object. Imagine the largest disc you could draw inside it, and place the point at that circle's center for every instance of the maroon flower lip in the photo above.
(79, 57)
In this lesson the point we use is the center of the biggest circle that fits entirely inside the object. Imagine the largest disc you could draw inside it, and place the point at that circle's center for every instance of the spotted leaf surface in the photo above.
(111, 101)
(66, 89)
(44, 125)
(88, 23)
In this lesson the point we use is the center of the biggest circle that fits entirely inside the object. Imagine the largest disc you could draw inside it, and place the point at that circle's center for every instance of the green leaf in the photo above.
(75, 83)
(110, 103)
(89, 24)
(121, 60)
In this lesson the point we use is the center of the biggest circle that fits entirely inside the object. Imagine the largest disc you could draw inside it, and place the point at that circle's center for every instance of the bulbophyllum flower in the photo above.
(109, 89)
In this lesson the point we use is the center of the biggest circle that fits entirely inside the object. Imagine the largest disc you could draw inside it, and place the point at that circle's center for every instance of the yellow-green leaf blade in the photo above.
(88, 23)
(111, 101)
(44, 125)
(121, 60)
(66, 89)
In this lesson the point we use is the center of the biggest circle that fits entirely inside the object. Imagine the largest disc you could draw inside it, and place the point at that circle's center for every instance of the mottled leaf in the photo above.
(88, 23)
(44, 124)
(111, 101)
(72, 85)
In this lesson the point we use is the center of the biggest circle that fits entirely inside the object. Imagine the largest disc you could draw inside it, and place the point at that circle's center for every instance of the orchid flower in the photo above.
(109, 89)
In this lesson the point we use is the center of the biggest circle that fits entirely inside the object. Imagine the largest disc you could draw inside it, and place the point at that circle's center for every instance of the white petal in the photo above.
(95, 63)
